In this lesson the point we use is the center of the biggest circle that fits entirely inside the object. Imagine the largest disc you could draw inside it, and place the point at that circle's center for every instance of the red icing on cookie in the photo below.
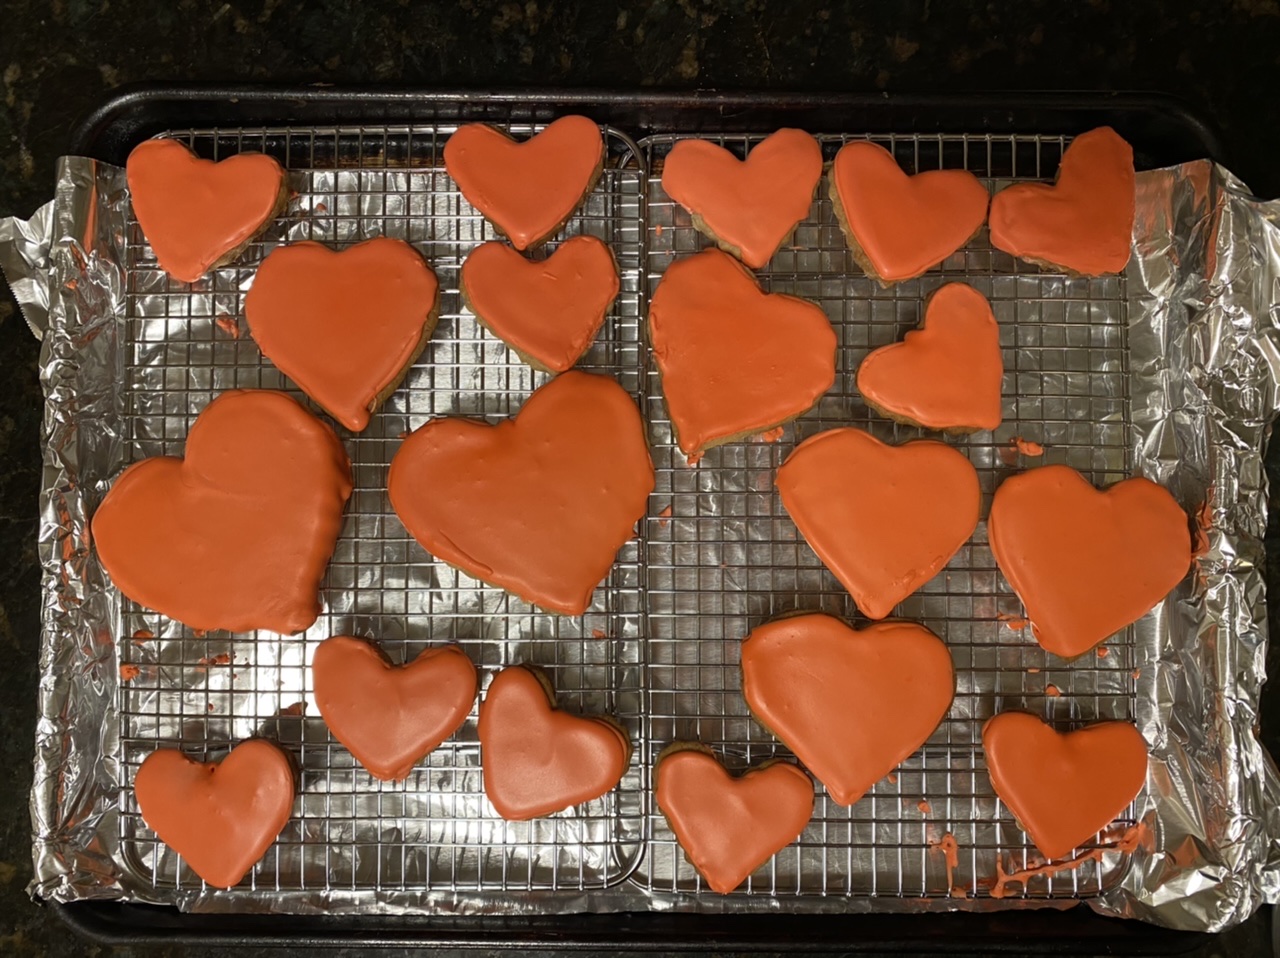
(389, 717)
(526, 189)
(735, 361)
(884, 519)
(221, 817)
(751, 205)
(548, 311)
(343, 325)
(237, 535)
(1084, 222)
(1063, 787)
(539, 760)
(730, 826)
(904, 224)
(945, 375)
(538, 504)
(1086, 562)
(852, 704)
(194, 212)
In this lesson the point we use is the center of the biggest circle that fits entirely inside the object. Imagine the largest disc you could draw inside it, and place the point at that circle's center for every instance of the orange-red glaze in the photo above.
(947, 373)
(194, 212)
(730, 826)
(735, 361)
(884, 519)
(905, 224)
(221, 817)
(526, 189)
(752, 204)
(538, 504)
(1084, 222)
(1063, 787)
(549, 310)
(539, 760)
(1086, 562)
(390, 716)
(343, 324)
(852, 704)
(237, 535)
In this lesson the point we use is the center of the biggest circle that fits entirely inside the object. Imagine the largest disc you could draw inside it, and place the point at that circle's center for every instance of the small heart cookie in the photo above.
(389, 717)
(344, 325)
(548, 311)
(1084, 222)
(221, 817)
(537, 759)
(884, 519)
(735, 361)
(946, 374)
(198, 214)
(1063, 787)
(852, 704)
(1086, 562)
(527, 190)
(747, 206)
(730, 826)
(899, 226)
(237, 535)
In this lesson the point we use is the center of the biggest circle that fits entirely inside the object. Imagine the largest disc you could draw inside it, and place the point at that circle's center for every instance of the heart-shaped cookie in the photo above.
(237, 535)
(735, 361)
(1063, 787)
(747, 206)
(547, 311)
(198, 214)
(730, 826)
(344, 325)
(897, 225)
(851, 703)
(389, 717)
(884, 519)
(527, 190)
(1084, 222)
(221, 817)
(538, 504)
(538, 760)
(944, 375)
(1086, 562)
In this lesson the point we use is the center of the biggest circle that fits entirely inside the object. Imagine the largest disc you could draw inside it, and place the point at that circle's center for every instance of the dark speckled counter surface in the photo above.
(59, 58)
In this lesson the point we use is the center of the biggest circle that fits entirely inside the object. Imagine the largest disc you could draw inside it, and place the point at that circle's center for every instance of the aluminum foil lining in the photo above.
(1203, 357)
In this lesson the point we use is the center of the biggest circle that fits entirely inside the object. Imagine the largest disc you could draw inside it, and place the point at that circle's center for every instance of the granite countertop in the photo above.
(58, 58)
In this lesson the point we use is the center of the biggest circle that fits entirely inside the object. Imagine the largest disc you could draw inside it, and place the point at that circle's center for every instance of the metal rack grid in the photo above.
(179, 347)
(723, 556)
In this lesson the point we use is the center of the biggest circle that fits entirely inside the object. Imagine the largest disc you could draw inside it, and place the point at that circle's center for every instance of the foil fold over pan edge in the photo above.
(1205, 387)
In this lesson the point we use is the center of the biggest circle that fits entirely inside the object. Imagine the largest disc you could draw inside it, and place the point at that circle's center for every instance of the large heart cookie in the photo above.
(345, 326)
(389, 717)
(730, 826)
(221, 817)
(735, 361)
(852, 704)
(945, 375)
(1086, 562)
(538, 504)
(528, 190)
(897, 225)
(1084, 222)
(237, 535)
(537, 759)
(884, 519)
(747, 206)
(195, 213)
(548, 311)
(1063, 787)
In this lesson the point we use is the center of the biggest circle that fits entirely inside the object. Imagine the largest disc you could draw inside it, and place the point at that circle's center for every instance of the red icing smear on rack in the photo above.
(1052, 691)
(950, 849)
(664, 518)
(773, 435)
(1015, 622)
(1125, 843)
(129, 672)
(1026, 447)
(228, 325)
